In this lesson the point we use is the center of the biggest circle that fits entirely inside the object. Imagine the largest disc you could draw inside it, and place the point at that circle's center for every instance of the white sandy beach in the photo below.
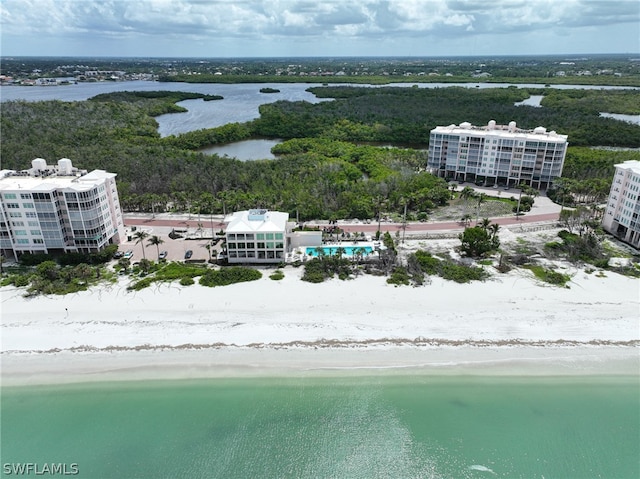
(510, 323)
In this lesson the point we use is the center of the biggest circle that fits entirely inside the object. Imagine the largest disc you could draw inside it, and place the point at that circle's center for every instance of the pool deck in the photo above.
(300, 253)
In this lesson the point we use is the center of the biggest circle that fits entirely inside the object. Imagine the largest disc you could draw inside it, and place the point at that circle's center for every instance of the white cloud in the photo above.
(296, 21)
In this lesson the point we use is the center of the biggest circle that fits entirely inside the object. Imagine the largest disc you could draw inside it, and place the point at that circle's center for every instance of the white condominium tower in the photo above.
(497, 154)
(623, 206)
(48, 209)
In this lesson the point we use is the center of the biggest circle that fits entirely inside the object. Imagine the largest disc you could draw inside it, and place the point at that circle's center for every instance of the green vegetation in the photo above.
(549, 276)
(269, 90)
(399, 276)
(167, 272)
(448, 269)
(325, 267)
(231, 275)
(277, 275)
(48, 277)
(406, 115)
(594, 101)
(480, 240)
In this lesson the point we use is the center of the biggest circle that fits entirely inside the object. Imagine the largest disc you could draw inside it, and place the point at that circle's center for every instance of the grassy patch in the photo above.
(549, 276)
(168, 272)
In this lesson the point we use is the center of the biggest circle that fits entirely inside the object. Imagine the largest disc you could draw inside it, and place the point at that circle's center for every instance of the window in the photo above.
(13, 205)
(35, 232)
(13, 214)
(279, 236)
(260, 236)
(22, 241)
(31, 214)
(9, 196)
(20, 232)
(269, 236)
(17, 223)
(27, 205)
(38, 241)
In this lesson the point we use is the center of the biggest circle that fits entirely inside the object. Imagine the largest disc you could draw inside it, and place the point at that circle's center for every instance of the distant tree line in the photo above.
(321, 173)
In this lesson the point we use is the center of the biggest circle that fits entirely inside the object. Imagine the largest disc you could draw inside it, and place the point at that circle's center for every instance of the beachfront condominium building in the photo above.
(257, 236)
(623, 205)
(497, 154)
(59, 208)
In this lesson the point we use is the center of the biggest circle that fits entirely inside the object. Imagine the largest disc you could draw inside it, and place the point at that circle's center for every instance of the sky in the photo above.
(321, 28)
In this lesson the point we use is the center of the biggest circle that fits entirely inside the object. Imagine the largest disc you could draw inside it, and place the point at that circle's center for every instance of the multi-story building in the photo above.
(497, 154)
(49, 209)
(623, 205)
(257, 236)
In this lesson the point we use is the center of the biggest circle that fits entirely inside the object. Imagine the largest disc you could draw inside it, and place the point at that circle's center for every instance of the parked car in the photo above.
(128, 254)
(163, 255)
(118, 254)
(188, 254)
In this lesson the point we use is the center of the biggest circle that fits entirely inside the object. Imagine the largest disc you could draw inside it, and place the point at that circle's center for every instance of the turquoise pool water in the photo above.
(348, 250)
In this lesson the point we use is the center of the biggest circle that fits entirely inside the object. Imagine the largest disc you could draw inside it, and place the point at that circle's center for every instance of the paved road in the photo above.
(141, 221)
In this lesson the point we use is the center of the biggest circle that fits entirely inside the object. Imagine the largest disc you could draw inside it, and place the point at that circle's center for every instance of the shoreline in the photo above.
(510, 324)
(28, 369)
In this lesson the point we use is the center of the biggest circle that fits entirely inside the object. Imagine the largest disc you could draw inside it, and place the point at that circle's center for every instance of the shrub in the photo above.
(226, 276)
(34, 259)
(277, 275)
(428, 263)
(138, 285)
(477, 241)
(319, 269)
(448, 269)
(399, 276)
(187, 281)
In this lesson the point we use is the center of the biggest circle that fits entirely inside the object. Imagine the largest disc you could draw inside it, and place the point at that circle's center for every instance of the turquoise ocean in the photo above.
(386, 426)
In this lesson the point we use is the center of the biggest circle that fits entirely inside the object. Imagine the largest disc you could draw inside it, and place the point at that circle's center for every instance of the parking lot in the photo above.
(175, 248)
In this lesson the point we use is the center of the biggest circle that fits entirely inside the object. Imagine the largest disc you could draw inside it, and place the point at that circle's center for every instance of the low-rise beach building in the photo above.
(58, 208)
(497, 154)
(623, 205)
(257, 236)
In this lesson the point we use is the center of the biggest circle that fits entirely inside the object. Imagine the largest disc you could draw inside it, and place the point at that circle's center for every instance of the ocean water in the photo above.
(339, 427)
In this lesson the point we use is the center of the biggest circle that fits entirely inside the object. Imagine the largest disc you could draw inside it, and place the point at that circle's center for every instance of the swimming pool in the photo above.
(349, 251)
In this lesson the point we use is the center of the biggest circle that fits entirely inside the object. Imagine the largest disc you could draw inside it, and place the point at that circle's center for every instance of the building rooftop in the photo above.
(257, 220)
(45, 178)
(633, 165)
(505, 131)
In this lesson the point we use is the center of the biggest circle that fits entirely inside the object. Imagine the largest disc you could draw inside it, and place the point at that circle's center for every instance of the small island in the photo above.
(269, 90)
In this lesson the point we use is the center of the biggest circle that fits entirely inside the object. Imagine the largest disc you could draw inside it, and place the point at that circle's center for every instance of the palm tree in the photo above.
(157, 241)
(481, 199)
(484, 224)
(493, 229)
(466, 219)
(467, 193)
(140, 236)
(340, 251)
